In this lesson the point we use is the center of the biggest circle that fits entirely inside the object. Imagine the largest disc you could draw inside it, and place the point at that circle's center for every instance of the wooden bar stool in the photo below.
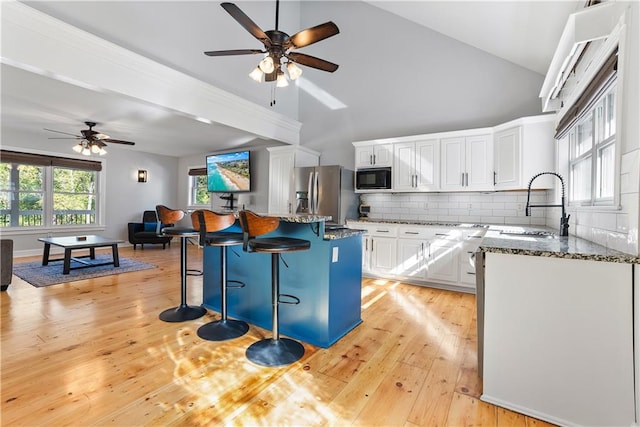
(274, 351)
(183, 312)
(210, 225)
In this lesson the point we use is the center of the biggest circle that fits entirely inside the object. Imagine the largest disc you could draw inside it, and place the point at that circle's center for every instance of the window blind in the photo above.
(589, 96)
(44, 160)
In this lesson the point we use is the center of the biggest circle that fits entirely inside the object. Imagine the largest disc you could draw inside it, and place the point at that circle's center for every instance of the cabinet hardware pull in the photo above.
(462, 179)
(473, 274)
(370, 159)
(411, 232)
(494, 177)
(441, 234)
(382, 231)
(466, 179)
(374, 159)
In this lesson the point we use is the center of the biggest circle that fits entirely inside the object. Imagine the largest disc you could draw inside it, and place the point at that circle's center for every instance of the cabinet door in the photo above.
(383, 255)
(506, 157)
(364, 156)
(280, 182)
(411, 262)
(479, 163)
(383, 155)
(467, 262)
(443, 260)
(427, 160)
(404, 163)
(366, 253)
(453, 163)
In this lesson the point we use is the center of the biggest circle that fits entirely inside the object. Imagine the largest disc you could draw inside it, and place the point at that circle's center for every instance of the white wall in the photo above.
(256, 200)
(409, 80)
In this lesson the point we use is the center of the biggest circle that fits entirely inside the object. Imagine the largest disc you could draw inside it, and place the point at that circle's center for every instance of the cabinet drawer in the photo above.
(383, 230)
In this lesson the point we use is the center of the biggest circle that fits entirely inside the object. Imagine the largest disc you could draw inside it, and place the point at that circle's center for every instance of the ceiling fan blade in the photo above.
(311, 35)
(234, 52)
(247, 23)
(64, 133)
(117, 141)
(312, 61)
(77, 137)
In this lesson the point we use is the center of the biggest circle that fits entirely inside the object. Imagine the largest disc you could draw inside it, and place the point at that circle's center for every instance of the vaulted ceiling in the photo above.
(175, 33)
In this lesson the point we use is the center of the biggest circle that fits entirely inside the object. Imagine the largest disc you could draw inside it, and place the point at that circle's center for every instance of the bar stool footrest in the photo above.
(271, 352)
(223, 330)
(294, 300)
(238, 286)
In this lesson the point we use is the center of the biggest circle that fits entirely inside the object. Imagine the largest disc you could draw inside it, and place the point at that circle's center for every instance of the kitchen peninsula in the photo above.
(327, 279)
(555, 327)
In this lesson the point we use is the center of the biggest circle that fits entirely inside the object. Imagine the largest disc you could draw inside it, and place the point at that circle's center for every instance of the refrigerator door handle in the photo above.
(316, 196)
(310, 191)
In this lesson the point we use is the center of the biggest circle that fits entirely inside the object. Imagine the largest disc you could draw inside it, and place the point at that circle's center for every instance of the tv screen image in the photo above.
(229, 172)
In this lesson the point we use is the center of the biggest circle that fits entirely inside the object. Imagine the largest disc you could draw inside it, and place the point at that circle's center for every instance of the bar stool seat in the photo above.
(209, 224)
(274, 351)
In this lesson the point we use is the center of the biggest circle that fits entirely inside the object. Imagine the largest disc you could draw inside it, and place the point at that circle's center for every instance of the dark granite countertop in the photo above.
(341, 233)
(514, 239)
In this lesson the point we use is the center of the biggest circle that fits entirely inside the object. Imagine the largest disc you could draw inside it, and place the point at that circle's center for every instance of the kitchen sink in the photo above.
(531, 233)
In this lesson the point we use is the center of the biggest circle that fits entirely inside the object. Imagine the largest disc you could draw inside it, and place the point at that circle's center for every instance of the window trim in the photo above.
(611, 86)
(100, 224)
(193, 173)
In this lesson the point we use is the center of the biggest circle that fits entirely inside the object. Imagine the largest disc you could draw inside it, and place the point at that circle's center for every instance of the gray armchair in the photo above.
(6, 263)
(146, 231)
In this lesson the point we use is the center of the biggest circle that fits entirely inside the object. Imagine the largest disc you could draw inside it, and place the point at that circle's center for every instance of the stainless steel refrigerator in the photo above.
(325, 190)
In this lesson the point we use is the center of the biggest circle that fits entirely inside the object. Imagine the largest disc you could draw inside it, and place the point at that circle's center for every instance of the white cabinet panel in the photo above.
(375, 155)
(282, 161)
(467, 163)
(558, 339)
(416, 166)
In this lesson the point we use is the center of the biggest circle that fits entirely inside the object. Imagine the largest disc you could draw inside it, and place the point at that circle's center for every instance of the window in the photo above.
(47, 191)
(592, 153)
(198, 193)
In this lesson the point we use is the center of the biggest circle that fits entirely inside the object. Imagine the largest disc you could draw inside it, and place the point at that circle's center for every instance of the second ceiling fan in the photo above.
(278, 45)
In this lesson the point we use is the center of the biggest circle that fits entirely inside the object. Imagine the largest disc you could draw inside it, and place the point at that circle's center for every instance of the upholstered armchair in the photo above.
(147, 231)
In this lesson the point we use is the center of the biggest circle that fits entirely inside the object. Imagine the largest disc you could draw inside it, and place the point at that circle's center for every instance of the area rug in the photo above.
(45, 275)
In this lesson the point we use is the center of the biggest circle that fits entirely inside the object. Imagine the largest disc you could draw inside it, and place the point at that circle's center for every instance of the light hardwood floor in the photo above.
(94, 352)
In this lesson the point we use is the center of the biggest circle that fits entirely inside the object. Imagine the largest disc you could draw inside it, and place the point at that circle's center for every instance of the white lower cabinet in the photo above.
(420, 254)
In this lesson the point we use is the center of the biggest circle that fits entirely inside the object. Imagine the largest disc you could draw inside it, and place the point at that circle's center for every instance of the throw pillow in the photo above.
(150, 226)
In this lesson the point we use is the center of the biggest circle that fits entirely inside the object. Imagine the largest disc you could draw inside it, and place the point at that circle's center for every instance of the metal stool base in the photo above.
(222, 330)
(182, 313)
(270, 352)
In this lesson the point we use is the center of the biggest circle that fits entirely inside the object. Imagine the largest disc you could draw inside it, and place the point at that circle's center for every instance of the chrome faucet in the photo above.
(564, 220)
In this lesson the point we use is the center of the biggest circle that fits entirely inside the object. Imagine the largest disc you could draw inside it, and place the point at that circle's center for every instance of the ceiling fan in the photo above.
(91, 141)
(278, 45)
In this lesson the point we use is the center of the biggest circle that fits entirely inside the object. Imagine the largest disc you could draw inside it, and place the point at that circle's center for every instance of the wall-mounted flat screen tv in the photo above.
(229, 172)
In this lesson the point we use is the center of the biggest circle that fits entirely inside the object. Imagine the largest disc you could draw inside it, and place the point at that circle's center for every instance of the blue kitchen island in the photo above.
(327, 279)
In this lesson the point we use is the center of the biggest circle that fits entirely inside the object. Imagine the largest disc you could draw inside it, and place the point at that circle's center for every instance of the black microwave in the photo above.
(373, 179)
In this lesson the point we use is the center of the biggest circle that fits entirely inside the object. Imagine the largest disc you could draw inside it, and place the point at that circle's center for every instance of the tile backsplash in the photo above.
(488, 208)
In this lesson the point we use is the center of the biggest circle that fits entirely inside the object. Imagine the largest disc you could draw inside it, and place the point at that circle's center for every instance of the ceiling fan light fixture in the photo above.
(256, 74)
(294, 70)
(77, 148)
(86, 151)
(281, 80)
(102, 151)
(266, 65)
(95, 149)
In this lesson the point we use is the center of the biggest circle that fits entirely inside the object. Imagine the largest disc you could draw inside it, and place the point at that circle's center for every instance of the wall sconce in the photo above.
(142, 175)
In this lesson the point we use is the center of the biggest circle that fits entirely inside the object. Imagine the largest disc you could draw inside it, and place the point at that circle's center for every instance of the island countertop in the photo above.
(499, 240)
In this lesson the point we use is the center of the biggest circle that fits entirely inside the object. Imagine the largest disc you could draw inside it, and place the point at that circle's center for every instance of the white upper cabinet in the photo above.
(416, 165)
(374, 155)
(521, 149)
(467, 163)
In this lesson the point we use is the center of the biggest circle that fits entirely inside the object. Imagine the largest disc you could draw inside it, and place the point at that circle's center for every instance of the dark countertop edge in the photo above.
(342, 233)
